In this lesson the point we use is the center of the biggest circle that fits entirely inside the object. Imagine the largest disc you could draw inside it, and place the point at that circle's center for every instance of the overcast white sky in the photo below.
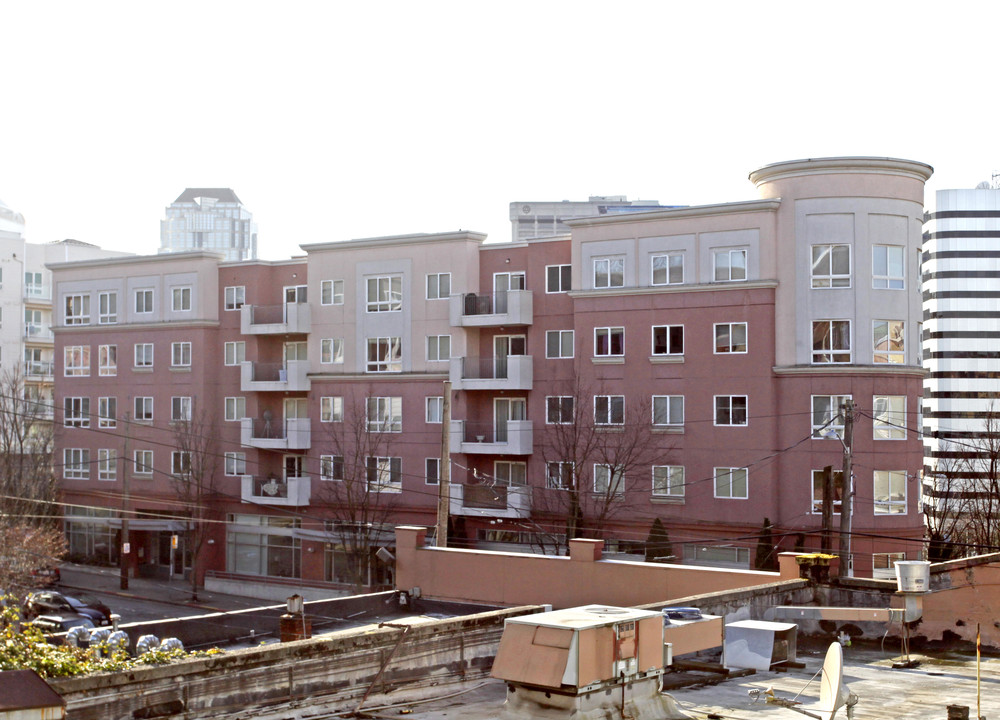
(336, 120)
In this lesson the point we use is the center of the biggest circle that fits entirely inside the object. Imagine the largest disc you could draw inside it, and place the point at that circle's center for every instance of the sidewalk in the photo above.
(107, 580)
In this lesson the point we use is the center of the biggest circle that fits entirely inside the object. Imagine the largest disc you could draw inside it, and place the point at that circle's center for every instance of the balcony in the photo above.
(498, 501)
(289, 376)
(284, 319)
(277, 434)
(514, 437)
(37, 293)
(505, 308)
(38, 368)
(513, 372)
(38, 334)
(292, 492)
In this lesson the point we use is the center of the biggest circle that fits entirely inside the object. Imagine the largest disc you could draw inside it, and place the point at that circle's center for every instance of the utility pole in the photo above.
(845, 490)
(827, 540)
(123, 551)
(444, 475)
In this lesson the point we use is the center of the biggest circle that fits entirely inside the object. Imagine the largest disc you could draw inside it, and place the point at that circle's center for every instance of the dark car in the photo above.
(49, 602)
(61, 622)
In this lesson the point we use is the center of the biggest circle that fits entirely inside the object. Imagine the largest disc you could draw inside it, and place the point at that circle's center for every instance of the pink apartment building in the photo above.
(684, 364)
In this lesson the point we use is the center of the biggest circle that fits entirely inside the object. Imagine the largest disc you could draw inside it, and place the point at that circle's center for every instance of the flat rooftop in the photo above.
(942, 679)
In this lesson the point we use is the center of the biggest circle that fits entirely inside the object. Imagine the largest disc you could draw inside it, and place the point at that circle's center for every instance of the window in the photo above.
(731, 483)
(668, 481)
(295, 294)
(730, 337)
(385, 414)
(668, 410)
(609, 272)
(438, 348)
(180, 409)
(668, 339)
(143, 409)
(107, 462)
(559, 475)
(558, 278)
(887, 341)
(385, 294)
(559, 409)
(385, 354)
(331, 409)
(76, 463)
(76, 412)
(143, 460)
(890, 492)
(434, 409)
(609, 341)
(884, 564)
(831, 266)
(510, 473)
(235, 297)
(331, 467)
(236, 463)
(144, 301)
(107, 412)
(331, 351)
(827, 419)
(888, 271)
(236, 352)
(385, 474)
(180, 462)
(817, 491)
(438, 286)
(609, 481)
(236, 408)
(181, 299)
(144, 355)
(432, 471)
(730, 409)
(108, 308)
(609, 410)
(107, 360)
(77, 309)
(668, 269)
(558, 344)
(76, 361)
(180, 354)
(331, 292)
(889, 417)
(730, 265)
(831, 341)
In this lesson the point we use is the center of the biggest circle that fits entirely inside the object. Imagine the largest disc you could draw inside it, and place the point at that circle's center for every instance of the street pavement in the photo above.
(147, 598)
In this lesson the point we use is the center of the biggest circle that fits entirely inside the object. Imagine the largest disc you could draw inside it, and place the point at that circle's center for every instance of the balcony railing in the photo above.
(506, 307)
(38, 332)
(291, 376)
(276, 433)
(510, 372)
(293, 491)
(275, 319)
(490, 500)
(37, 292)
(38, 368)
(513, 437)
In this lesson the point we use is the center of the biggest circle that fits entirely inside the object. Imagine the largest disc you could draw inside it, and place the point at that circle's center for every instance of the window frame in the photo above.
(331, 408)
(235, 464)
(563, 278)
(560, 409)
(105, 314)
(107, 360)
(180, 346)
(605, 410)
(331, 351)
(143, 301)
(886, 507)
(331, 468)
(830, 280)
(672, 489)
(180, 463)
(559, 342)
(889, 356)
(728, 472)
(384, 298)
(669, 331)
(727, 343)
(76, 464)
(610, 260)
(888, 281)
(331, 292)
(831, 352)
(442, 283)
(181, 411)
(394, 345)
(730, 411)
(107, 464)
(76, 411)
(667, 269)
(76, 353)
(562, 466)
(107, 411)
(235, 408)
(142, 408)
(728, 253)
(670, 401)
(76, 309)
(239, 352)
(432, 478)
(384, 414)
(817, 492)
(186, 295)
(610, 333)
(883, 425)
(434, 407)
(436, 341)
(381, 466)
(613, 472)
(141, 466)
(827, 420)
(234, 297)
(146, 363)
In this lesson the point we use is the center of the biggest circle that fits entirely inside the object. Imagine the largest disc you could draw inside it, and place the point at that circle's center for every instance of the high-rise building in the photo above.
(545, 219)
(961, 269)
(682, 365)
(210, 219)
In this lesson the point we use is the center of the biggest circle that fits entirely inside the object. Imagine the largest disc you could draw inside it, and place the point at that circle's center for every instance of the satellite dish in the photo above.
(833, 693)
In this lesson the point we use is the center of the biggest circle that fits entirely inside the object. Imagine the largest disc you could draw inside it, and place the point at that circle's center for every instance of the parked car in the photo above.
(62, 622)
(46, 575)
(50, 602)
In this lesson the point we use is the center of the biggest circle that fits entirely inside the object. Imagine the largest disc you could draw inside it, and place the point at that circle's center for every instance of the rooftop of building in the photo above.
(221, 194)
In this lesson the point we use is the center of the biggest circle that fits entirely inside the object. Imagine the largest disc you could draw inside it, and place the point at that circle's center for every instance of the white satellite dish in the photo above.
(833, 693)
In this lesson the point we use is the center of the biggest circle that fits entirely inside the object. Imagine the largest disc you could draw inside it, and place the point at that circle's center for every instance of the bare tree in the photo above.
(194, 470)
(593, 446)
(361, 479)
(29, 529)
